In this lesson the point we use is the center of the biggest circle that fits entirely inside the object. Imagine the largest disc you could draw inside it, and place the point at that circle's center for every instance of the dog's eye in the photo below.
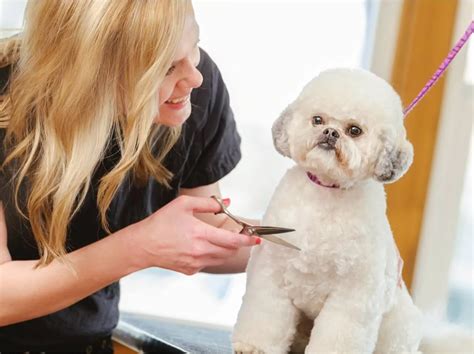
(354, 131)
(317, 120)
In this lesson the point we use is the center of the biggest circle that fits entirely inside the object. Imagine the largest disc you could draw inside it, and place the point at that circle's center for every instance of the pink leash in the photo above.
(452, 54)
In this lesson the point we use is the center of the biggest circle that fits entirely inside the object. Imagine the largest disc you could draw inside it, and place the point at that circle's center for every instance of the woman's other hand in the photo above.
(173, 238)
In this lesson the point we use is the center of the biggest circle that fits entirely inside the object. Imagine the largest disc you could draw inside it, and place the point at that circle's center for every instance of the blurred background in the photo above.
(267, 51)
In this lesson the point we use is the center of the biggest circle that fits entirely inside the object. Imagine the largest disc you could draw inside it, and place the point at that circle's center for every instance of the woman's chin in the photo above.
(172, 117)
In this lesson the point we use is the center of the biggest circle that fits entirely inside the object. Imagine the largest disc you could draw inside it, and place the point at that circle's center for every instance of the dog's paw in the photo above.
(243, 348)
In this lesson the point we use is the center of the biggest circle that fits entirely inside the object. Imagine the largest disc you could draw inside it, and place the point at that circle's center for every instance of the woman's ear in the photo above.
(394, 160)
(280, 133)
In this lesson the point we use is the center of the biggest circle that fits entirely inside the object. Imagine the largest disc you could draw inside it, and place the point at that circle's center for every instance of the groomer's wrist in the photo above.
(133, 244)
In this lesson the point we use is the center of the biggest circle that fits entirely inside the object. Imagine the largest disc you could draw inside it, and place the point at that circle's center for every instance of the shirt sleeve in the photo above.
(216, 145)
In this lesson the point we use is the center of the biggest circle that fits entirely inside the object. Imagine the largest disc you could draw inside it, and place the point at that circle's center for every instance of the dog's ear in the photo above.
(280, 133)
(394, 159)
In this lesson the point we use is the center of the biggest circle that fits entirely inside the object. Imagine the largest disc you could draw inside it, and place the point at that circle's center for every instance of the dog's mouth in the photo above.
(327, 144)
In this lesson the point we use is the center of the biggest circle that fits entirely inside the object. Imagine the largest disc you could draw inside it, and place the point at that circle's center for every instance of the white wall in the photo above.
(11, 16)
(267, 51)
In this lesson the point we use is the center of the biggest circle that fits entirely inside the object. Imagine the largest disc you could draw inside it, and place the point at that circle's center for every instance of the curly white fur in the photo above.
(344, 279)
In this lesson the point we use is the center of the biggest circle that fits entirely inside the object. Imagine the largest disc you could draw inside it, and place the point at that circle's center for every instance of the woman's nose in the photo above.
(193, 77)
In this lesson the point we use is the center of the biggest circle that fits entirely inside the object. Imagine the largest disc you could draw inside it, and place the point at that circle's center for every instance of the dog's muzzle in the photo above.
(328, 139)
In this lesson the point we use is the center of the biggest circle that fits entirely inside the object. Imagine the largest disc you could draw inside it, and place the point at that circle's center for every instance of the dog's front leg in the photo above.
(348, 323)
(267, 318)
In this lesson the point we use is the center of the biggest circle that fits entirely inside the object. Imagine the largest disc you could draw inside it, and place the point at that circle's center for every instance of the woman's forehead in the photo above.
(189, 39)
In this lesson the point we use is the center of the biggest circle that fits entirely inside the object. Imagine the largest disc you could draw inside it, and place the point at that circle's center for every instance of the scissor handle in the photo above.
(230, 215)
(249, 230)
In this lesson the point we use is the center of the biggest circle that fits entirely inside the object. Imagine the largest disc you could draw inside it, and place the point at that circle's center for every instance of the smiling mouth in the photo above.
(178, 100)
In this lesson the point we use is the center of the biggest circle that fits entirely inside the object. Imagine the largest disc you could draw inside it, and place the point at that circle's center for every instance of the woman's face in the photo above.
(181, 78)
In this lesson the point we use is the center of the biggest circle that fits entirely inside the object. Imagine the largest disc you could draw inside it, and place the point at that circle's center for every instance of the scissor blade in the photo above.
(276, 239)
(270, 230)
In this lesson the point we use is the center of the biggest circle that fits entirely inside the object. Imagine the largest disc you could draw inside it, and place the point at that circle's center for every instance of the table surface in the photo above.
(152, 334)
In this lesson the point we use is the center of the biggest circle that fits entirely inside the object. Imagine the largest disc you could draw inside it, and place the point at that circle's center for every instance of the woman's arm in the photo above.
(171, 238)
(27, 292)
(237, 263)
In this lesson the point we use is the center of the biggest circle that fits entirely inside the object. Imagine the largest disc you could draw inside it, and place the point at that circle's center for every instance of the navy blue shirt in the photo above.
(208, 149)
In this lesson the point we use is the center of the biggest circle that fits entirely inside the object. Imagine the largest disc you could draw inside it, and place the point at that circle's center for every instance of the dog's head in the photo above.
(346, 126)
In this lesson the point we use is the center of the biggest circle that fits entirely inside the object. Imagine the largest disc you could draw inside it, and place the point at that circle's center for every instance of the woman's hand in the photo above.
(173, 238)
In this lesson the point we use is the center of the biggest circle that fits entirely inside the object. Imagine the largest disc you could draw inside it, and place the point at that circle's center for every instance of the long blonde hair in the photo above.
(89, 71)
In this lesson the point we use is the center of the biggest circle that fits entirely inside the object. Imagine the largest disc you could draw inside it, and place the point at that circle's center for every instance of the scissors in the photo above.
(265, 232)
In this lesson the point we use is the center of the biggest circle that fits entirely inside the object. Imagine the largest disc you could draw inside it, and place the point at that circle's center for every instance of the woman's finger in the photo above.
(228, 239)
(200, 204)
(215, 251)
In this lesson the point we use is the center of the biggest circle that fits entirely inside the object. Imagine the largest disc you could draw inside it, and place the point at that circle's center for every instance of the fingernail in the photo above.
(258, 240)
(226, 201)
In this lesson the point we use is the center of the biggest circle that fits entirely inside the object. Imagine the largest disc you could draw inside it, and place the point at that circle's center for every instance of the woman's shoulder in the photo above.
(208, 99)
(212, 78)
(206, 63)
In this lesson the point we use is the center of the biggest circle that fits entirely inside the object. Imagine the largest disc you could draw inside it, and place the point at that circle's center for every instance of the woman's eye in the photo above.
(170, 70)
(317, 120)
(354, 131)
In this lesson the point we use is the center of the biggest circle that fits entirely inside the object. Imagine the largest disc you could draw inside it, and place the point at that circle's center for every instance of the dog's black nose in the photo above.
(329, 132)
(328, 139)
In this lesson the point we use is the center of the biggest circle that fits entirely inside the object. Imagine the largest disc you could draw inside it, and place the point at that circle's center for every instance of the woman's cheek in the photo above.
(165, 91)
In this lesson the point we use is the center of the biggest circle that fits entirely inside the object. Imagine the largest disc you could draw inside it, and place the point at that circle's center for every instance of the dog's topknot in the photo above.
(355, 88)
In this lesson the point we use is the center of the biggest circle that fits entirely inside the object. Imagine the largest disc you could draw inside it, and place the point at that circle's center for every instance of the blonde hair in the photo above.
(89, 72)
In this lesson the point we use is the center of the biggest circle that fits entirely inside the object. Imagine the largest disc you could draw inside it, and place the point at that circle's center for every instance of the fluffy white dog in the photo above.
(345, 132)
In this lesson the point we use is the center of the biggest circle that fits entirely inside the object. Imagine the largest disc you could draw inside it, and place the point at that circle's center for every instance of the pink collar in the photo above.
(316, 180)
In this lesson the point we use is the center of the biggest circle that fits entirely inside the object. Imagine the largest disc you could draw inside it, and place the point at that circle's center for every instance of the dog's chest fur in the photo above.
(336, 229)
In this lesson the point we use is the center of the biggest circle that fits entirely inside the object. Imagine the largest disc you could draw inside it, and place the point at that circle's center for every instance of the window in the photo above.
(460, 308)
(11, 16)
(461, 290)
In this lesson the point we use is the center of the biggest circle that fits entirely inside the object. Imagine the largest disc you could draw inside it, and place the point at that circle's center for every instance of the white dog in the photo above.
(345, 132)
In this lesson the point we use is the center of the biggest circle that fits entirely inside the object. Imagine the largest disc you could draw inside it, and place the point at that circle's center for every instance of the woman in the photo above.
(98, 139)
